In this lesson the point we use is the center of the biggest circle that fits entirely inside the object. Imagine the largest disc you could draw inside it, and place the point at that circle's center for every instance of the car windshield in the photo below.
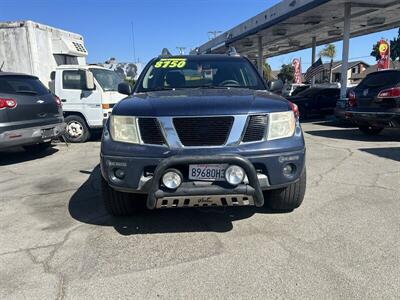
(379, 79)
(199, 72)
(18, 84)
(107, 79)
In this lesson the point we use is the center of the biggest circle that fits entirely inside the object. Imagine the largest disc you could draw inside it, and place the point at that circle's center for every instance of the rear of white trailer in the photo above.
(36, 49)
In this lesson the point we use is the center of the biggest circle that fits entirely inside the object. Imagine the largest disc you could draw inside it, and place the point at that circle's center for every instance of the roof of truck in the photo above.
(29, 23)
(84, 67)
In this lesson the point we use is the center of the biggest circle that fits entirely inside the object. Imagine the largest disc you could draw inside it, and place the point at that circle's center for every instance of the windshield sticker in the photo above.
(170, 63)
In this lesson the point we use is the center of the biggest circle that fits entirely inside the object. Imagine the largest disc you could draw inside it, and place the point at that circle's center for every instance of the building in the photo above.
(356, 78)
(354, 68)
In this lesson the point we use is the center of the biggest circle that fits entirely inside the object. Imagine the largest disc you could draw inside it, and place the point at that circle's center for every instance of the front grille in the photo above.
(150, 131)
(255, 130)
(204, 131)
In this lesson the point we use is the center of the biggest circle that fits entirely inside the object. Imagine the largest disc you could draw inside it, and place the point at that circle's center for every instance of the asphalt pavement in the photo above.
(57, 241)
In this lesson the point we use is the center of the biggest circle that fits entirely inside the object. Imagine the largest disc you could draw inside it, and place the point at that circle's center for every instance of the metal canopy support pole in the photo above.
(260, 55)
(345, 53)
(313, 56)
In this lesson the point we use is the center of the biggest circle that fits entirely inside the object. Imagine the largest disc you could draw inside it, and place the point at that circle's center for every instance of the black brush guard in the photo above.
(252, 188)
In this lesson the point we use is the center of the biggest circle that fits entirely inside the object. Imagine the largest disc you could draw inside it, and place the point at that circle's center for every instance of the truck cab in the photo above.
(88, 95)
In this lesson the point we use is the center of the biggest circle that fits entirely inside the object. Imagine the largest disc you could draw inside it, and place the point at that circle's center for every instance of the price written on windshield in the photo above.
(170, 63)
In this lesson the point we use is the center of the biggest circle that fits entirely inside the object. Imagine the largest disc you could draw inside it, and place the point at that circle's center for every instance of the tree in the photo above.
(267, 71)
(286, 74)
(330, 52)
(394, 49)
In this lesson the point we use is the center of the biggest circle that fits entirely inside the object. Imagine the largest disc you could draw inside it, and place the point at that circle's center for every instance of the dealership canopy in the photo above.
(293, 25)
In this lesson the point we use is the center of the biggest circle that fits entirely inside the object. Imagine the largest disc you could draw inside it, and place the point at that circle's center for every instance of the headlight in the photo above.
(281, 125)
(124, 129)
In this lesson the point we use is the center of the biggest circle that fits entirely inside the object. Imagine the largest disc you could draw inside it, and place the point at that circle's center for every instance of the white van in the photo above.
(58, 59)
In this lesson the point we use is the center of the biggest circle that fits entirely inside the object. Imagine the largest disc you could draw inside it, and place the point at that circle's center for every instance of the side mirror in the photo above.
(89, 80)
(124, 88)
(275, 85)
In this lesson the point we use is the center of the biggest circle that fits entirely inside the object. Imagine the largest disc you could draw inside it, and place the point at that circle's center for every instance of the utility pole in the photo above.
(181, 50)
(133, 43)
(213, 34)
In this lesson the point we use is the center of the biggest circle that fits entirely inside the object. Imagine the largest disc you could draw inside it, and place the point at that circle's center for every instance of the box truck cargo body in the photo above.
(58, 59)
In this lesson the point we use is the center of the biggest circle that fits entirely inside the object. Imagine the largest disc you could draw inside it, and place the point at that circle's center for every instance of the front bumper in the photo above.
(30, 135)
(142, 174)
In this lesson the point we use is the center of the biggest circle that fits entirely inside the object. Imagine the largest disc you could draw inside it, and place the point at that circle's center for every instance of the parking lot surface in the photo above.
(56, 240)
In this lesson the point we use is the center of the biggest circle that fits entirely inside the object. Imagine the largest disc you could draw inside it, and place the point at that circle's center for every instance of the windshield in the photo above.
(107, 79)
(199, 72)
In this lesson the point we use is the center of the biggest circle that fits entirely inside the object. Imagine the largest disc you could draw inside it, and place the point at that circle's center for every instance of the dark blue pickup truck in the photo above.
(202, 131)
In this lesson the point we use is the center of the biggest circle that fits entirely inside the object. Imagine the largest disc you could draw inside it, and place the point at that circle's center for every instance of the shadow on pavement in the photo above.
(18, 155)
(353, 134)
(390, 152)
(86, 206)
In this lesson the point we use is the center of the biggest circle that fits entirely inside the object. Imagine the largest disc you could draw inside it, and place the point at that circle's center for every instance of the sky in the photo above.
(106, 25)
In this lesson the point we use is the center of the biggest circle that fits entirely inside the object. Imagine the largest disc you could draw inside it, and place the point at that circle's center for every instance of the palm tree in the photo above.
(267, 71)
(330, 52)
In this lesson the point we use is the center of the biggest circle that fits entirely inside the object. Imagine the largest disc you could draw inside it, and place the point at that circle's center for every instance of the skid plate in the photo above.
(205, 201)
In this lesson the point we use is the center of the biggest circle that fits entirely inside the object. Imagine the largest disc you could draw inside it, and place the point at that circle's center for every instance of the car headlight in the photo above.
(281, 125)
(124, 129)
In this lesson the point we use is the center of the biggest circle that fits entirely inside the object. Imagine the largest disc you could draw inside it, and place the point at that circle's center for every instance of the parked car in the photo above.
(30, 115)
(202, 130)
(316, 101)
(299, 89)
(375, 103)
(289, 88)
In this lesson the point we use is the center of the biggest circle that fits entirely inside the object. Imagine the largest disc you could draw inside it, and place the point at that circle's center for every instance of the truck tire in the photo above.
(76, 130)
(288, 198)
(121, 204)
(370, 130)
(37, 148)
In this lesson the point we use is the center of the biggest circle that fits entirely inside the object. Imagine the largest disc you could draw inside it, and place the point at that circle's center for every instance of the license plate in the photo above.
(47, 133)
(205, 172)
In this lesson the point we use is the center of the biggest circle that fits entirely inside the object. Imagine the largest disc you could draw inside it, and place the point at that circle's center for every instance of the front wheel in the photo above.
(121, 204)
(76, 130)
(288, 198)
(370, 130)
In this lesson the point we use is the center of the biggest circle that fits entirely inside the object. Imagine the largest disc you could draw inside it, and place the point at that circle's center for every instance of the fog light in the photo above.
(289, 170)
(172, 179)
(234, 174)
(119, 173)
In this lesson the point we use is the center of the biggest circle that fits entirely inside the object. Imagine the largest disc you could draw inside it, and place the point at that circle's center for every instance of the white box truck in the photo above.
(58, 58)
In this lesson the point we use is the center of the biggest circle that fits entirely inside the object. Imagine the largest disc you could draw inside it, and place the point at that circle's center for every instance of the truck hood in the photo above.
(197, 102)
(111, 97)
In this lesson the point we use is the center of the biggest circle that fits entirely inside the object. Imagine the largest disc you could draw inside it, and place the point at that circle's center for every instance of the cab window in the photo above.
(73, 80)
